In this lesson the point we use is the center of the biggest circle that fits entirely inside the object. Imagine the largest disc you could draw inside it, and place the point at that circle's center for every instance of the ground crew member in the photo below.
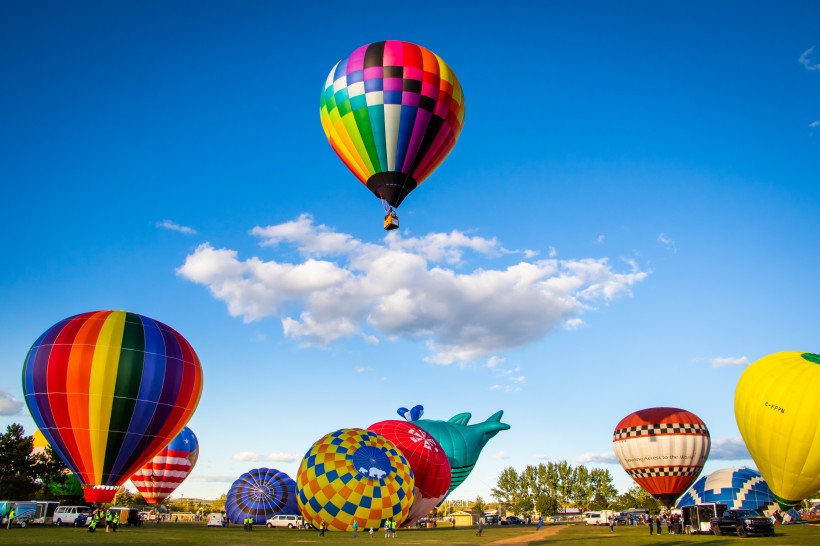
(11, 518)
(115, 521)
(109, 517)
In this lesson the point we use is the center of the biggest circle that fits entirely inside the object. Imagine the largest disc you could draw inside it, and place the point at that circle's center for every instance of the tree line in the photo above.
(548, 488)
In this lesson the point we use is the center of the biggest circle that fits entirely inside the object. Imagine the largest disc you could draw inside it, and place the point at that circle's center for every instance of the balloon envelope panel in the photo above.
(392, 111)
(431, 468)
(734, 487)
(261, 493)
(777, 409)
(110, 389)
(169, 468)
(354, 474)
(662, 449)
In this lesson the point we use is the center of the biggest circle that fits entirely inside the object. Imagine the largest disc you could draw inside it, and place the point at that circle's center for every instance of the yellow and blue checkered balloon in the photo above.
(354, 475)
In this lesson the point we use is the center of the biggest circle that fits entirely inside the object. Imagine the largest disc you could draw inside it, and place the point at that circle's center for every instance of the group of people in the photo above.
(248, 524)
(107, 517)
(674, 523)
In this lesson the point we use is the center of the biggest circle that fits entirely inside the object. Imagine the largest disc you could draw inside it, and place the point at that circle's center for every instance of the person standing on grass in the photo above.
(355, 529)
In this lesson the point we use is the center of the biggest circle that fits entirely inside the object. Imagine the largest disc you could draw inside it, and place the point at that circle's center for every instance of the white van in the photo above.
(282, 520)
(67, 515)
(216, 519)
(598, 517)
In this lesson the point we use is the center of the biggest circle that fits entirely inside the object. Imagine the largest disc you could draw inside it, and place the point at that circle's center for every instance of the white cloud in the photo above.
(607, 458)
(250, 456)
(501, 455)
(720, 362)
(9, 405)
(542, 457)
(552, 252)
(814, 124)
(409, 288)
(667, 241)
(729, 449)
(494, 361)
(806, 61)
(173, 226)
(506, 389)
(600, 239)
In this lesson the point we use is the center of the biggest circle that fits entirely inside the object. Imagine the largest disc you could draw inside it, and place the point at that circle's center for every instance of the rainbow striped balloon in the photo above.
(169, 468)
(109, 390)
(392, 112)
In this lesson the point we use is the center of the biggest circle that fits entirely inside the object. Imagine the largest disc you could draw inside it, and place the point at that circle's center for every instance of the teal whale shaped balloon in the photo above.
(462, 442)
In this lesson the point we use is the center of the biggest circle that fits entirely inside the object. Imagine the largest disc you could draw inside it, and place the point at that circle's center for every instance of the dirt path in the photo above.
(524, 539)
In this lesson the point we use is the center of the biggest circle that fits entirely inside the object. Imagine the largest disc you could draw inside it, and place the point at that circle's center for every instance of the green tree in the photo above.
(57, 481)
(18, 467)
(124, 497)
(604, 490)
(479, 506)
(567, 478)
(582, 490)
(636, 497)
(508, 490)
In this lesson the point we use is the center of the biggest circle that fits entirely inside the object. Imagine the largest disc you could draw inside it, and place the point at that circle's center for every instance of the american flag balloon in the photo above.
(169, 468)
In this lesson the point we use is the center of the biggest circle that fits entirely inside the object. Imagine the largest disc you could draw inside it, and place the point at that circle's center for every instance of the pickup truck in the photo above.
(743, 522)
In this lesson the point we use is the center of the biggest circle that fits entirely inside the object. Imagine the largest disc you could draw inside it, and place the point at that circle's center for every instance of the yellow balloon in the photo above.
(777, 408)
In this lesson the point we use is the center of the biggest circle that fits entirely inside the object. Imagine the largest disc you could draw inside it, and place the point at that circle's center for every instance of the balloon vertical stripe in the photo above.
(106, 349)
(110, 389)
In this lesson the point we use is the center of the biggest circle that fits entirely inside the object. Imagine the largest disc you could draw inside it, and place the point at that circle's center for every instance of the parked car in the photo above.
(744, 522)
(67, 515)
(283, 520)
(514, 520)
(216, 519)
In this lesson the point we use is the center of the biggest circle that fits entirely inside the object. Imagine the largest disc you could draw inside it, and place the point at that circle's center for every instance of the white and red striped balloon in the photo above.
(169, 468)
(662, 449)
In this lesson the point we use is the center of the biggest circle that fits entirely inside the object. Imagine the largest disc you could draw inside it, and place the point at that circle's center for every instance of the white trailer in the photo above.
(598, 517)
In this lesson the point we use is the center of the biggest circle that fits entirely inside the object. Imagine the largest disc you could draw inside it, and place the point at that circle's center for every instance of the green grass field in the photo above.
(573, 535)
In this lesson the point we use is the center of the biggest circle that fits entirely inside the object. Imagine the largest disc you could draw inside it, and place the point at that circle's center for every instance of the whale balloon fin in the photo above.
(416, 412)
(460, 419)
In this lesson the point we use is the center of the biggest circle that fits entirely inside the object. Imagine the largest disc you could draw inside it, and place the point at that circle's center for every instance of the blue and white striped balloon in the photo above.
(734, 487)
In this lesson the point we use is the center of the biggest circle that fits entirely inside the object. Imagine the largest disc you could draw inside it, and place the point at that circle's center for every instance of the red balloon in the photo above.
(427, 459)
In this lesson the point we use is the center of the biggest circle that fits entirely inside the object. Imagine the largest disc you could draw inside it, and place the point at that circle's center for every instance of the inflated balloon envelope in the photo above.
(109, 390)
(392, 111)
(160, 476)
(777, 408)
(662, 449)
(462, 442)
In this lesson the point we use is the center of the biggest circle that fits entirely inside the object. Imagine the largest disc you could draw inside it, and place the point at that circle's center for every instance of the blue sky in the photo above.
(628, 219)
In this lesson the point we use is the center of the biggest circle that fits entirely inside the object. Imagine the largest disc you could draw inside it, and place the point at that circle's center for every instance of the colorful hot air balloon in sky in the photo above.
(427, 459)
(392, 111)
(109, 390)
(260, 494)
(354, 475)
(662, 449)
(169, 468)
(777, 408)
